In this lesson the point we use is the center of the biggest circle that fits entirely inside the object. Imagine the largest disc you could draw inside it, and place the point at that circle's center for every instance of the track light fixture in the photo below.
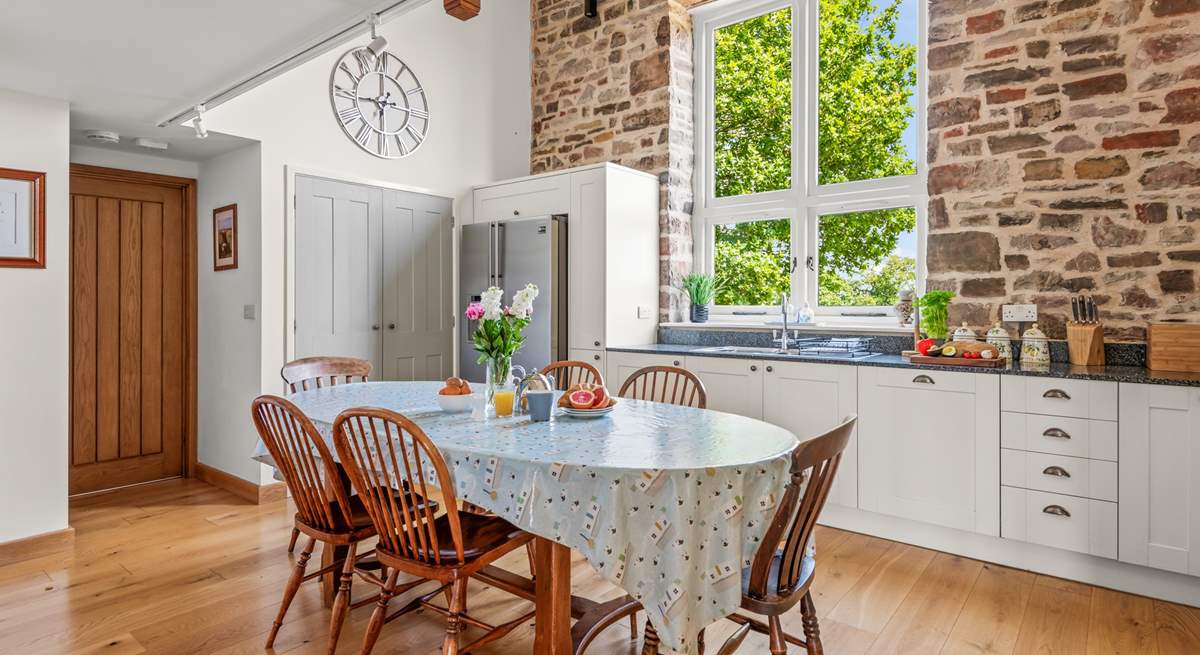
(378, 44)
(198, 123)
(589, 8)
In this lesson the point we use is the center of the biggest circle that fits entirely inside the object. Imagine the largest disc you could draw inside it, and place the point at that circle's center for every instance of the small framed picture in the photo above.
(22, 219)
(225, 239)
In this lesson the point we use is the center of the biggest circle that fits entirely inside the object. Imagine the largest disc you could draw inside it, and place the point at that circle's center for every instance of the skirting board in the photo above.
(1098, 571)
(38, 545)
(255, 493)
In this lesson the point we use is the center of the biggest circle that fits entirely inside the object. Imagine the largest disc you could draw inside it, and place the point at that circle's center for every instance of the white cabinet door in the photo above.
(594, 357)
(809, 400)
(540, 196)
(732, 385)
(1159, 438)
(620, 365)
(929, 446)
(585, 261)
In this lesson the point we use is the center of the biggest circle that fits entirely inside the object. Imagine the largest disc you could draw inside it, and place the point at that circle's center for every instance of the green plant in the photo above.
(701, 288)
(933, 312)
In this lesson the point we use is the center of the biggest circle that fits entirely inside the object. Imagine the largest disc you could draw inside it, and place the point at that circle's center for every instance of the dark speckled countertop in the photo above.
(1132, 374)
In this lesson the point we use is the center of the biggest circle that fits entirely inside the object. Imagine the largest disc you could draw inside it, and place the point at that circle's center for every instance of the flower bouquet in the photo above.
(497, 335)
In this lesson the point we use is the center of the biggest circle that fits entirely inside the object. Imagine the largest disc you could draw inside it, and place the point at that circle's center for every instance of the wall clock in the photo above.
(379, 103)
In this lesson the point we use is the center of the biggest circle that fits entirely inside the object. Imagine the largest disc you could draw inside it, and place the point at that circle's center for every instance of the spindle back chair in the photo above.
(665, 384)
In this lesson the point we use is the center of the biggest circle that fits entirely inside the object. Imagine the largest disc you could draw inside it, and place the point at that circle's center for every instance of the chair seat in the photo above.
(360, 519)
(788, 598)
(481, 535)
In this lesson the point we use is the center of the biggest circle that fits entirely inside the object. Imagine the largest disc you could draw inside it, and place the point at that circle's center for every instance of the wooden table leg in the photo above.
(553, 592)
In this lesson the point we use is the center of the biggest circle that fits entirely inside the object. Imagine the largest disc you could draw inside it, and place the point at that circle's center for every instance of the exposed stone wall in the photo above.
(618, 88)
(1064, 143)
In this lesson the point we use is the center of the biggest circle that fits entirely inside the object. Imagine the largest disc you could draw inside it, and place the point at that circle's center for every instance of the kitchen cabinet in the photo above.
(1159, 440)
(586, 299)
(929, 446)
(733, 385)
(594, 357)
(537, 196)
(809, 400)
(620, 365)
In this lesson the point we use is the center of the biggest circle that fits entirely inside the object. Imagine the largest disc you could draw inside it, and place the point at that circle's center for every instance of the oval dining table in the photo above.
(669, 503)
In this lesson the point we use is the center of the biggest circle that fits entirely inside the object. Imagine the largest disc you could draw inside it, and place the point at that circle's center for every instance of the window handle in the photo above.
(794, 260)
(810, 264)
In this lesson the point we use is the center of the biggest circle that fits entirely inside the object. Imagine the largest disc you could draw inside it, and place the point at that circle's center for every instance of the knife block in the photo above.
(1085, 343)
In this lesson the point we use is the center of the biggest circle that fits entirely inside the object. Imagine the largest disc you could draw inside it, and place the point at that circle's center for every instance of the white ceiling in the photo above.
(126, 65)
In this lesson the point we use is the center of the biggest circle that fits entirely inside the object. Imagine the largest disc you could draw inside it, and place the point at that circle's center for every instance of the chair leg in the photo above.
(458, 599)
(700, 642)
(778, 644)
(532, 564)
(293, 585)
(812, 629)
(633, 633)
(292, 542)
(650, 642)
(380, 613)
(341, 604)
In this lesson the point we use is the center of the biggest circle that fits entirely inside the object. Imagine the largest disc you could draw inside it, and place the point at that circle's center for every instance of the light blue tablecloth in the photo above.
(667, 502)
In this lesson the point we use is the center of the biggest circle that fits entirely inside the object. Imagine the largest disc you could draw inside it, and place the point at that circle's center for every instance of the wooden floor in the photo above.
(181, 567)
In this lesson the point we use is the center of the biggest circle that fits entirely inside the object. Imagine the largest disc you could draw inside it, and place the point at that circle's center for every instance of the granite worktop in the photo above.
(1131, 374)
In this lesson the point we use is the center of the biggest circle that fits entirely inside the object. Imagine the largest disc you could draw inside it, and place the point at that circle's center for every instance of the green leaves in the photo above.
(934, 314)
(700, 288)
(499, 338)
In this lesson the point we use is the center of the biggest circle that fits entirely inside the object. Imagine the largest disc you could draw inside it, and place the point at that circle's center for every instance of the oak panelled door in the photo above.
(132, 327)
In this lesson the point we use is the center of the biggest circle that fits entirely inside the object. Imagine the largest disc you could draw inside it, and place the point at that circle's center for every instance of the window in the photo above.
(809, 179)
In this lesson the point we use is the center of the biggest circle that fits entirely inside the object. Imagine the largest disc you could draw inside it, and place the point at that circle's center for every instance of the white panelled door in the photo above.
(374, 277)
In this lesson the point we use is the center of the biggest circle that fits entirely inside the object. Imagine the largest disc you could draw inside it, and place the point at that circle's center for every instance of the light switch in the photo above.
(643, 312)
(248, 312)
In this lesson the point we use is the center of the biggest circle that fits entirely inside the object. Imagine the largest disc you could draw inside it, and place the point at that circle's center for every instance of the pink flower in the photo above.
(475, 311)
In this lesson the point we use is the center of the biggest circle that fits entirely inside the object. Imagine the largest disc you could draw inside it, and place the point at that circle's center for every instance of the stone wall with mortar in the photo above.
(1064, 150)
(618, 87)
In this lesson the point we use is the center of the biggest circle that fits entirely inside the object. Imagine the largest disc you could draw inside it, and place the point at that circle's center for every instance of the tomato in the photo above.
(924, 345)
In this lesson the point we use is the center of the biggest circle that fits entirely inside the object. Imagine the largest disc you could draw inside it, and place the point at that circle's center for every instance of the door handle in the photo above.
(753, 368)
(375, 327)
(391, 326)
(1056, 433)
(1056, 471)
(1057, 510)
(1056, 393)
(499, 254)
(923, 379)
(770, 369)
(675, 363)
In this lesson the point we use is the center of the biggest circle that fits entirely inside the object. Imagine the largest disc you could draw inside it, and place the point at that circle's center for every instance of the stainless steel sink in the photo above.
(743, 350)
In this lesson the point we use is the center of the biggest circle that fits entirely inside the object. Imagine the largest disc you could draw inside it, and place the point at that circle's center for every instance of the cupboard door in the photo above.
(585, 261)
(1159, 480)
(733, 385)
(594, 357)
(930, 452)
(810, 399)
(540, 196)
(620, 365)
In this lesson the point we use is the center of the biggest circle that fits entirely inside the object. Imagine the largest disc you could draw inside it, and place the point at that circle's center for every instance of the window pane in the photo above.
(753, 262)
(867, 90)
(752, 105)
(866, 257)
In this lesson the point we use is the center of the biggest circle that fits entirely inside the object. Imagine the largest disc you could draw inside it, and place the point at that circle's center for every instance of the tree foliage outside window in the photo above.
(864, 88)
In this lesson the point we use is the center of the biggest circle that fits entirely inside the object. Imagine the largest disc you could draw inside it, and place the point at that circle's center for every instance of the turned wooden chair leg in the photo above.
(650, 642)
(778, 643)
(293, 585)
(700, 642)
(341, 604)
(731, 644)
(458, 596)
(812, 629)
(380, 613)
(633, 633)
(292, 542)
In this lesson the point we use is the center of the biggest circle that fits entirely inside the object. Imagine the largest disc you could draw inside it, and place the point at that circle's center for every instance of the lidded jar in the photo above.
(1035, 347)
(964, 333)
(998, 337)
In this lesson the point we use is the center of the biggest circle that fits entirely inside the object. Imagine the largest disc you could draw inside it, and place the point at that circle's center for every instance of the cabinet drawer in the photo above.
(1074, 476)
(908, 378)
(1078, 524)
(537, 197)
(1059, 397)
(1076, 437)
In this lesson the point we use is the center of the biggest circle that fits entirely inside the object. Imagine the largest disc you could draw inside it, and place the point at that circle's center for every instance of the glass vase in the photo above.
(499, 376)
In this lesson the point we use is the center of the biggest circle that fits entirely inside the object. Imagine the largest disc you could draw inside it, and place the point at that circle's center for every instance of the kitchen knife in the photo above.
(1075, 308)
(1095, 312)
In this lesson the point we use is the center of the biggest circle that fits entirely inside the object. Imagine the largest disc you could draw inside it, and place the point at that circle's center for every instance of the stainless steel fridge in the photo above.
(509, 255)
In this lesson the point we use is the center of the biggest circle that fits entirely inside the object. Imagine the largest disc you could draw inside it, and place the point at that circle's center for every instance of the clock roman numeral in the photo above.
(419, 113)
(344, 93)
(400, 143)
(417, 138)
(364, 135)
(349, 115)
(383, 144)
(413, 90)
(346, 69)
(363, 59)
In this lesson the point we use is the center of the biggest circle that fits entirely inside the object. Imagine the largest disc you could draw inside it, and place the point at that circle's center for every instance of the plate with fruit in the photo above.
(455, 396)
(586, 400)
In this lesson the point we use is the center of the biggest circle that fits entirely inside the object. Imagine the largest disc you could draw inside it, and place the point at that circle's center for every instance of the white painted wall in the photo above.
(477, 76)
(34, 332)
(228, 344)
(133, 161)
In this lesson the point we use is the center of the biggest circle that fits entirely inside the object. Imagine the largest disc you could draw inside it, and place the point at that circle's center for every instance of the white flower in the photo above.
(491, 300)
(523, 301)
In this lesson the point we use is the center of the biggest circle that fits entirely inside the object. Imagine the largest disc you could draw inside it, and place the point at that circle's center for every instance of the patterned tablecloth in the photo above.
(667, 502)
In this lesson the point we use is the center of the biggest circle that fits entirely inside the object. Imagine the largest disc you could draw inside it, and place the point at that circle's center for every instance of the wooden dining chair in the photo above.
(325, 512)
(665, 384)
(316, 372)
(570, 372)
(379, 449)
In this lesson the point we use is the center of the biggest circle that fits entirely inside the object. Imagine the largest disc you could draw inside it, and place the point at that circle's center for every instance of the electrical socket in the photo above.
(1018, 313)
(643, 312)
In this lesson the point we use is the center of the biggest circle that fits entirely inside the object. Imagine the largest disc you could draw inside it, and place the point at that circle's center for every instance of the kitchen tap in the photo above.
(783, 340)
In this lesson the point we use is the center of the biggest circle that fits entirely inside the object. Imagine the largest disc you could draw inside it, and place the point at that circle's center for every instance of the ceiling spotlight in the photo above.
(198, 123)
(589, 8)
(378, 44)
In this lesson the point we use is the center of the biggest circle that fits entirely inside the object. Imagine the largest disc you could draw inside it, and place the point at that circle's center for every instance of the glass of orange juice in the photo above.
(503, 401)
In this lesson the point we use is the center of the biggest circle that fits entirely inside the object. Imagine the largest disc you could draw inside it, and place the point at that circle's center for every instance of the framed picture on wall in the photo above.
(22, 219)
(225, 239)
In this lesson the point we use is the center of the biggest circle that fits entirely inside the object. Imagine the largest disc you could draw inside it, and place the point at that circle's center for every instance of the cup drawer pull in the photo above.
(923, 379)
(1056, 433)
(1056, 393)
(1056, 471)
(1056, 510)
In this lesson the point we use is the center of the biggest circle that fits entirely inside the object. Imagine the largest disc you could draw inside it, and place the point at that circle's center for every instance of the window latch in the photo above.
(810, 264)
(793, 265)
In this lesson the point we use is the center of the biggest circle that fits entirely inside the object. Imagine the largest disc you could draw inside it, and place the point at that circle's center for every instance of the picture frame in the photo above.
(22, 219)
(225, 238)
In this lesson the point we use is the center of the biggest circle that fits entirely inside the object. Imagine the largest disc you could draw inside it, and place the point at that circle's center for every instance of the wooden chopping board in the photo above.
(1174, 347)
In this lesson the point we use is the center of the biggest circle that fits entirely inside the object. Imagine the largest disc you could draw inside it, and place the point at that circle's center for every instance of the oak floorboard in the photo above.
(1177, 628)
(924, 620)
(1055, 621)
(841, 566)
(991, 618)
(1121, 624)
(869, 605)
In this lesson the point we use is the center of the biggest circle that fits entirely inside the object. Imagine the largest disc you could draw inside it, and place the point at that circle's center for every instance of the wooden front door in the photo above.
(132, 327)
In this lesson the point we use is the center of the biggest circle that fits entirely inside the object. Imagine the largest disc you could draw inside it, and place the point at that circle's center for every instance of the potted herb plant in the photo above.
(701, 289)
(933, 306)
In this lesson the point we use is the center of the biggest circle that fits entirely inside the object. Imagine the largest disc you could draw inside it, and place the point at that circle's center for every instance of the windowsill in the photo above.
(841, 325)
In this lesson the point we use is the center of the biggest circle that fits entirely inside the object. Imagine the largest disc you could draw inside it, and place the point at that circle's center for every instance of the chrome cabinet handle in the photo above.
(596, 357)
(391, 326)
(675, 363)
(1056, 510)
(1056, 471)
(753, 368)
(1056, 433)
(595, 343)
(516, 212)
(375, 327)
(770, 368)
(1056, 393)
(923, 379)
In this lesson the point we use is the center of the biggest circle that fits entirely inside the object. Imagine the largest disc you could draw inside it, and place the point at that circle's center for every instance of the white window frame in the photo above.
(806, 200)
